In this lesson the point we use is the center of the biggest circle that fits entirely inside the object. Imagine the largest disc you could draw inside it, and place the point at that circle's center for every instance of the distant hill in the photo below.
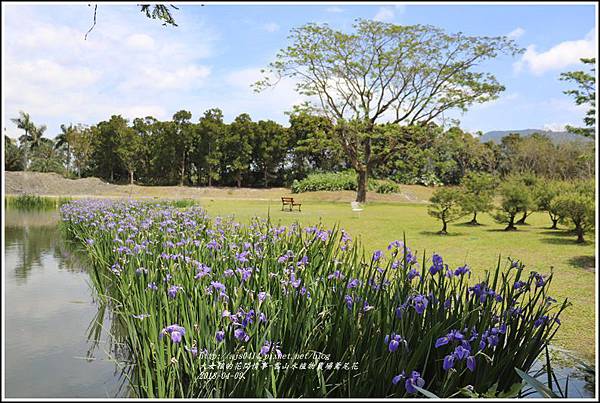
(557, 137)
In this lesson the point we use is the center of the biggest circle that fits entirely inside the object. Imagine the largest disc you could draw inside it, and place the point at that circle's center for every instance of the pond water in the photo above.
(58, 340)
(49, 310)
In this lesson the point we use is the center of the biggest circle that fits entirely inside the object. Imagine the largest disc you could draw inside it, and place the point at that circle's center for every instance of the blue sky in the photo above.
(133, 66)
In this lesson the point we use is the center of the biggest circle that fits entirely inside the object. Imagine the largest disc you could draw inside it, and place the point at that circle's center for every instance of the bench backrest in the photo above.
(287, 199)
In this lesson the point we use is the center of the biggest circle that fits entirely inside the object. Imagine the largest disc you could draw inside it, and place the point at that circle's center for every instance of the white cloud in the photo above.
(334, 9)
(49, 73)
(138, 111)
(126, 66)
(271, 27)
(516, 33)
(243, 78)
(559, 56)
(555, 127)
(503, 99)
(242, 98)
(172, 80)
(388, 13)
(384, 14)
(140, 41)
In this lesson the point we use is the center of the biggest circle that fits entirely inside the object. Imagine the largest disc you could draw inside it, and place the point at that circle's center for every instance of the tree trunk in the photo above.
(131, 177)
(511, 224)
(522, 220)
(209, 179)
(474, 220)
(361, 194)
(266, 178)
(182, 169)
(579, 231)
(238, 179)
(444, 230)
(554, 223)
(112, 175)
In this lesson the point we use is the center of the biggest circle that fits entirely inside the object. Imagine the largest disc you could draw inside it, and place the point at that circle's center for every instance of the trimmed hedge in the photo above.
(346, 180)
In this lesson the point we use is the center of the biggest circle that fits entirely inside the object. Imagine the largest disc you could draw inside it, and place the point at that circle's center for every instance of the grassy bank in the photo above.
(34, 202)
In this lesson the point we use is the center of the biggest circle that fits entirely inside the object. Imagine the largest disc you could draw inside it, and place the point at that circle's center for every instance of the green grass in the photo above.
(539, 248)
(34, 202)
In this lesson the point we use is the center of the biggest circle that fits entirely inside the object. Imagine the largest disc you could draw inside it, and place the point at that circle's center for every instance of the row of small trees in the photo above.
(514, 199)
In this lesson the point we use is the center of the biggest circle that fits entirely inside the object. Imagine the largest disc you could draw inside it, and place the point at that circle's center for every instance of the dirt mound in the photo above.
(52, 184)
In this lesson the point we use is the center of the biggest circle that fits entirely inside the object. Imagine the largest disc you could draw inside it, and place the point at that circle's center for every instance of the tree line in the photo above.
(210, 152)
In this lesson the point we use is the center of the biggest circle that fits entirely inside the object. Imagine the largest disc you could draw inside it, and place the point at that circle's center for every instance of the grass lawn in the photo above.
(538, 247)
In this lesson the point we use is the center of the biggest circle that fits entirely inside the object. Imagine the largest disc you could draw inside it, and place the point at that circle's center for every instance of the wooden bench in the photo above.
(289, 201)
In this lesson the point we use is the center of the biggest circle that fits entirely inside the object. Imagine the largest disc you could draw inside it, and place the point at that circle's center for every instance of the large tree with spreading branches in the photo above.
(381, 72)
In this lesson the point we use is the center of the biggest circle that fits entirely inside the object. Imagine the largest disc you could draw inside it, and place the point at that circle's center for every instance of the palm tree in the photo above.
(24, 122)
(62, 141)
(33, 134)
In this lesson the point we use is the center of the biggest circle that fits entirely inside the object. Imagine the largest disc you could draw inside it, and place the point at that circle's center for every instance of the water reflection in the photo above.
(50, 311)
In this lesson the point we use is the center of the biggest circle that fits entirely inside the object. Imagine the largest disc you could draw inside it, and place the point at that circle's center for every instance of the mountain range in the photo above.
(557, 137)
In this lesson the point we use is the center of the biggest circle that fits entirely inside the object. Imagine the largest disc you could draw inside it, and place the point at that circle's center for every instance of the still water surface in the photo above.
(49, 308)
(54, 345)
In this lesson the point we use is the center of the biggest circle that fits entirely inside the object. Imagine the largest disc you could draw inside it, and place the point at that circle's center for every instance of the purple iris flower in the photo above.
(412, 274)
(262, 318)
(336, 274)
(220, 335)
(519, 284)
(462, 270)
(303, 261)
(193, 350)
(393, 341)
(461, 353)
(268, 347)
(245, 273)
(262, 296)
(420, 303)
(540, 321)
(202, 271)
(152, 286)
(141, 271)
(471, 363)
(217, 286)
(349, 301)
(172, 292)
(175, 331)
(395, 244)
(353, 283)
(438, 264)
(539, 280)
(415, 379)
(295, 282)
(448, 362)
(451, 336)
(377, 255)
(242, 257)
(241, 335)
(398, 378)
